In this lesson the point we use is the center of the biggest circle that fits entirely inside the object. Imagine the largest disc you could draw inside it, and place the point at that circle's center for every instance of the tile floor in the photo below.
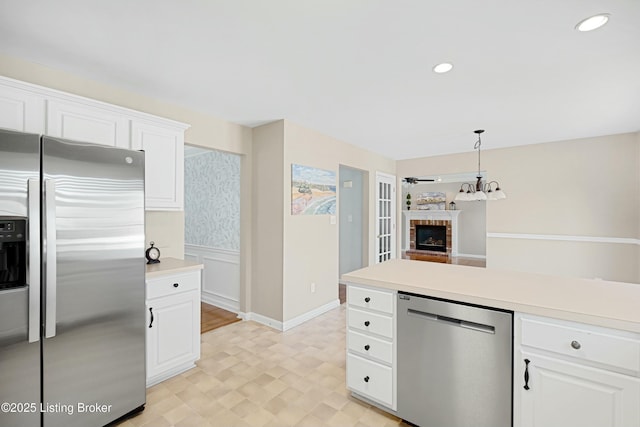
(252, 375)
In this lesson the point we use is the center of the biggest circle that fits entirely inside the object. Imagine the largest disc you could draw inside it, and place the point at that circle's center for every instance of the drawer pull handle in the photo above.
(367, 347)
(366, 379)
(367, 323)
(175, 285)
(151, 311)
(576, 345)
(526, 374)
(367, 299)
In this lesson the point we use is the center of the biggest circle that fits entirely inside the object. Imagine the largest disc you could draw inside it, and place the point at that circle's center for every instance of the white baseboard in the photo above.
(298, 320)
(289, 324)
(267, 321)
(170, 373)
(220, 301)
(472, 256)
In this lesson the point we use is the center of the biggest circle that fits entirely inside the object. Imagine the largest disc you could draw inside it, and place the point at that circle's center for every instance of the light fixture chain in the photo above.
(477, 146)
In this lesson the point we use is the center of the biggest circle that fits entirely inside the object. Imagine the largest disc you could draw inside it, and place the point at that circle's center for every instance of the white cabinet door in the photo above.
(82, 122)
(164, 164)
(571, 395)
(173, 334)
(21, 110)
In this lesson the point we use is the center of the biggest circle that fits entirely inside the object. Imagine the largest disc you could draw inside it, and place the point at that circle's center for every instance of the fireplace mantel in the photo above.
(432, 215)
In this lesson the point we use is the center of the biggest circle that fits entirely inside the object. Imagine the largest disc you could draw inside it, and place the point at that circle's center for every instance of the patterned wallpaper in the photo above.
(212, 199)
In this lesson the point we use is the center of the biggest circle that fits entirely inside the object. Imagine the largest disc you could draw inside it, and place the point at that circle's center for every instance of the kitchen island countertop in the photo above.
(597, 302)
(171, 266)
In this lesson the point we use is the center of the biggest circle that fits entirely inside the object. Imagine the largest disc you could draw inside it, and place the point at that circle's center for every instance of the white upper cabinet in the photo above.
(90, 123)
(30, 108)
(164, 163)
(21, 110)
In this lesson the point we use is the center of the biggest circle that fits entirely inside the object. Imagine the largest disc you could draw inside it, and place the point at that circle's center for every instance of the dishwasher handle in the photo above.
(479, 327)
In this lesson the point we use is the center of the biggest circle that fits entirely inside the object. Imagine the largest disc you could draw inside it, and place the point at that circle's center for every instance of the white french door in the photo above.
(385, 217)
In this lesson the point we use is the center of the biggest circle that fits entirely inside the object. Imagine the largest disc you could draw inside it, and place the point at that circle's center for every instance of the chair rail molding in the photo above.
(566, 238)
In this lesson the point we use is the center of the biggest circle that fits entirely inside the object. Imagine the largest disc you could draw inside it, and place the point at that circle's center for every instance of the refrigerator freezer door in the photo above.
(19, 358)
(94, 364)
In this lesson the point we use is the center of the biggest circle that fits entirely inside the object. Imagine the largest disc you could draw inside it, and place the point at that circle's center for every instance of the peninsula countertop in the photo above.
(171, 266)
(597, 302)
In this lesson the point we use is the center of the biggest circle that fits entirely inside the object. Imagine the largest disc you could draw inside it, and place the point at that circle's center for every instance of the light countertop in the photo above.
(171, 266)
(596, 302)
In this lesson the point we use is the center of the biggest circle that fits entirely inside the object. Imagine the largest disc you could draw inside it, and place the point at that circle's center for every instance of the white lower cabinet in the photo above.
(370, 379)
(575, 375)
(173, 325)
(371, 347)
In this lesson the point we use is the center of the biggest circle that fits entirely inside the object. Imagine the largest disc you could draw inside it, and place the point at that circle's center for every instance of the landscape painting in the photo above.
(313, 191)
(431, 201)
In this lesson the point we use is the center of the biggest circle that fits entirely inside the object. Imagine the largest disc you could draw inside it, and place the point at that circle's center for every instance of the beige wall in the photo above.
(165, 228)
(268, 221)
(586, 188)
(291, 252)
(311, 242)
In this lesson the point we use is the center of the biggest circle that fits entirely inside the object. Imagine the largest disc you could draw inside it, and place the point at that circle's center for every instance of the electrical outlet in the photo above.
(313, 287)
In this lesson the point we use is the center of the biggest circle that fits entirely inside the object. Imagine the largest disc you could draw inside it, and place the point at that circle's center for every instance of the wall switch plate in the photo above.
(313, 288)
(333, 219)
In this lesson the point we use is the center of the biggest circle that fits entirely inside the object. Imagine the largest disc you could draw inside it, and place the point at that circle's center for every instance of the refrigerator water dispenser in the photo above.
(13, 262)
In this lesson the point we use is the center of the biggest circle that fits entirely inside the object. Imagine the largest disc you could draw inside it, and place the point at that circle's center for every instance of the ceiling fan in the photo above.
(413, 180)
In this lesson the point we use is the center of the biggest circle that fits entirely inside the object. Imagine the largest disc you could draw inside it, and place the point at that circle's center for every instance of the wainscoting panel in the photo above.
(220, 277)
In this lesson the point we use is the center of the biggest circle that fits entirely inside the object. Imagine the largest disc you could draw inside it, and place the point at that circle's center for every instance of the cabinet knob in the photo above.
(367, 347)
(367, 299)
(175, 285)
(366, 379)
(367, 323)
(576, 345)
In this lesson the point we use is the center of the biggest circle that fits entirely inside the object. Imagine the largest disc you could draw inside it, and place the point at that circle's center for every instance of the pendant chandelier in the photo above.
(481, 190)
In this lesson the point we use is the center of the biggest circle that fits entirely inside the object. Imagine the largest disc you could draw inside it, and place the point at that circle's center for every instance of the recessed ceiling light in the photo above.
(593, 22)
(445, 67)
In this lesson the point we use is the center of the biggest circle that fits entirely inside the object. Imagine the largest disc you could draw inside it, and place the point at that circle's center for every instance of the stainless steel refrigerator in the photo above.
(72, 290)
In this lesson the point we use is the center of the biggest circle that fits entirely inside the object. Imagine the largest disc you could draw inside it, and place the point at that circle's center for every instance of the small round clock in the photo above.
(152, 254)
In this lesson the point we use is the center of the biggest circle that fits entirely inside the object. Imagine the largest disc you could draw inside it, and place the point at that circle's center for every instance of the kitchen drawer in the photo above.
(370, 379)
(369, 346)
(370, 322)
(173, 284)
(583, 343)
(371, 299)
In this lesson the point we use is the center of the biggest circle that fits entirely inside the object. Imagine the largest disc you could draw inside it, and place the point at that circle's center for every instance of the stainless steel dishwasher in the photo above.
(454, 363)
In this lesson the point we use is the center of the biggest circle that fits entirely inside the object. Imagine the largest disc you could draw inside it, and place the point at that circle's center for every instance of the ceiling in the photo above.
(357, 70)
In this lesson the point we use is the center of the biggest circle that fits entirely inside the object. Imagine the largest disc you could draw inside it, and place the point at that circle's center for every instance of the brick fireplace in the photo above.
(433, 227)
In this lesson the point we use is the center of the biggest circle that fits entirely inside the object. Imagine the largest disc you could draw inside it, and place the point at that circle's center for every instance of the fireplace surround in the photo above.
(441, 218)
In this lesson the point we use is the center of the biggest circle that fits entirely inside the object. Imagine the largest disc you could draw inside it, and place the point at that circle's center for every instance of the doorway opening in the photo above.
(353, 221)
(212, 229)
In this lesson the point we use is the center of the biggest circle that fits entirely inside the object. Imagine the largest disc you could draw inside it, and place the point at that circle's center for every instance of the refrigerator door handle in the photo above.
(33, 272)
(50, 258)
